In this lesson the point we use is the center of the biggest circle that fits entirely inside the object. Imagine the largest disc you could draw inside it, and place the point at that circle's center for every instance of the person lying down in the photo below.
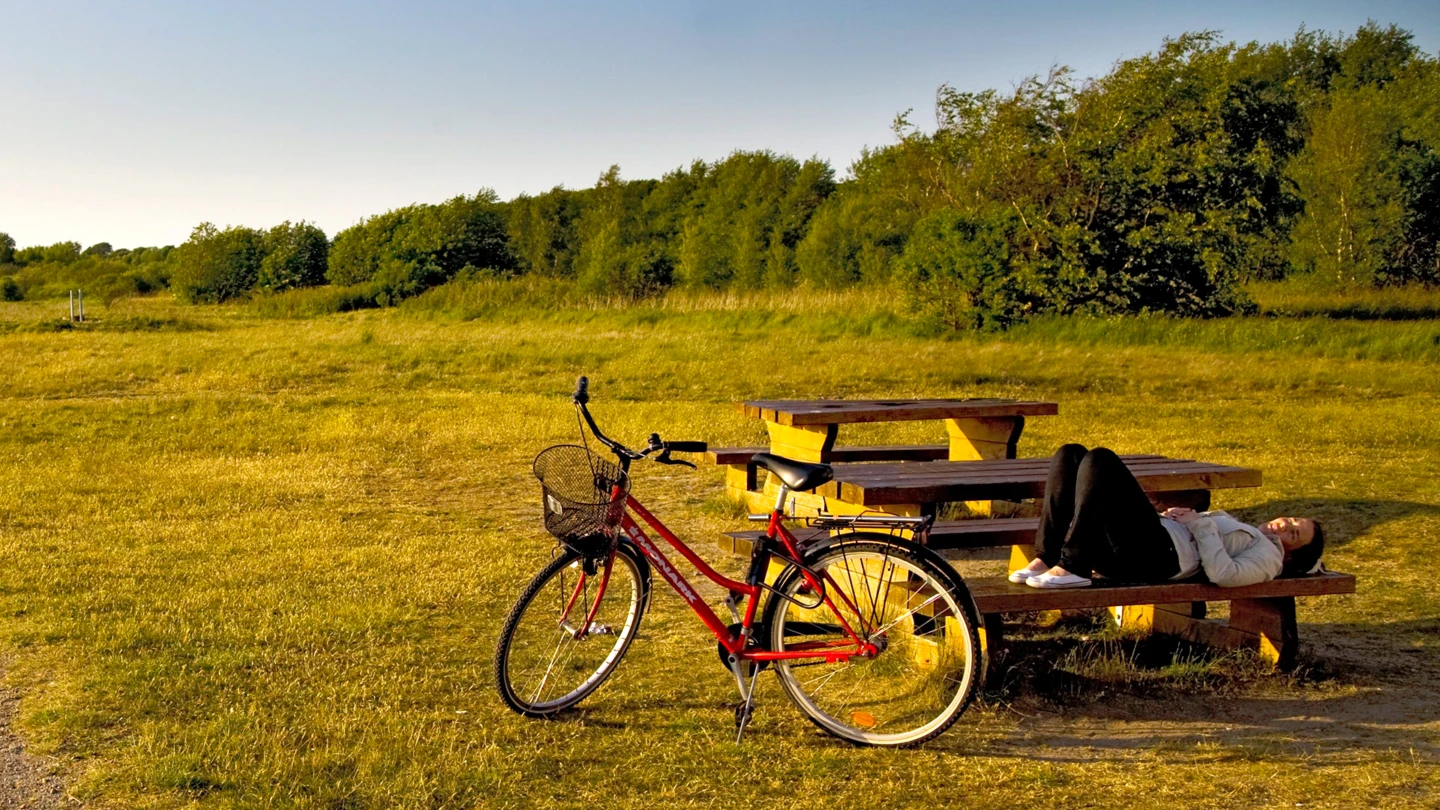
(1096, 519)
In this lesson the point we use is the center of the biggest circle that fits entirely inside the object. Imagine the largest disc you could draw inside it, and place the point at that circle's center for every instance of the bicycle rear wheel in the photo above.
(913, 608)
(543, 664)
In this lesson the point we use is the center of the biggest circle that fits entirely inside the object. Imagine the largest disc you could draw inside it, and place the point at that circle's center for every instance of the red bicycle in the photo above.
(872, 636)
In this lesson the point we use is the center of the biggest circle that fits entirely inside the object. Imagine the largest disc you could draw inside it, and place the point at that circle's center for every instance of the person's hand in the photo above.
(1182, 515)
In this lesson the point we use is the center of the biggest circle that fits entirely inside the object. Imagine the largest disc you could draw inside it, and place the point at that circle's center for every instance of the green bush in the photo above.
(216, 265)
(958, 270)
(295, 256)
(406, 251)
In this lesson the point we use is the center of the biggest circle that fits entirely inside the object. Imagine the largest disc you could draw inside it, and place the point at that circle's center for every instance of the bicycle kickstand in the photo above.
(747, 698)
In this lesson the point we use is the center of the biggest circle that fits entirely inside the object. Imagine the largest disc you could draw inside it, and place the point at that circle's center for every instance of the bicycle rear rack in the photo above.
(892, 524)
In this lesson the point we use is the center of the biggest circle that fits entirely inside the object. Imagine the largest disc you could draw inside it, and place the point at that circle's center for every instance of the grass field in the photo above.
(251, 561)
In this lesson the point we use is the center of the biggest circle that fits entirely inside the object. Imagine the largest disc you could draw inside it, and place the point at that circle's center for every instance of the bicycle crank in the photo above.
(757, 631)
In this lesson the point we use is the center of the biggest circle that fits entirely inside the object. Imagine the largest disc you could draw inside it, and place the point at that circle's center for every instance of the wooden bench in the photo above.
(1262, 617)
(917, 487)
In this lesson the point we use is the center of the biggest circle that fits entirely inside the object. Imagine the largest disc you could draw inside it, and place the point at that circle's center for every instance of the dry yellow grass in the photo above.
(256, 563)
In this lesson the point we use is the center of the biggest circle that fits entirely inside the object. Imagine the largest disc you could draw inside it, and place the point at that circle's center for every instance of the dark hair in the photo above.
(1304, 558)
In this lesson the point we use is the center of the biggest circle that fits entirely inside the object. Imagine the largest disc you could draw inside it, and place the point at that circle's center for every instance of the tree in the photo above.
(958, 269)
(408, 250)
(7, 249)
(295, 256)
(216, 266)
(1156, 188)
(747, 215)
(542, 232)
(58, 253)
(1370, 171)
(358, 251)
(618, 254)
(101, 249)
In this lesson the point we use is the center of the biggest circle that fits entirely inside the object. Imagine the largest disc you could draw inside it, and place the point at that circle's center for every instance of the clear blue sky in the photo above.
(130, 122)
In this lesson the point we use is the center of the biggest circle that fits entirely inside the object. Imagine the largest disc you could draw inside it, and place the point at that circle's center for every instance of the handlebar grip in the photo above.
(688, 447)
(582, 391)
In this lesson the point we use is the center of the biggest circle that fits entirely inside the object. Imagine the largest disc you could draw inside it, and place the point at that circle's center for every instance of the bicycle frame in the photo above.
(838, 651)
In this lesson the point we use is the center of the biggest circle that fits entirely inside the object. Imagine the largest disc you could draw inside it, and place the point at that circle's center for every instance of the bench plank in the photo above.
(999, 595)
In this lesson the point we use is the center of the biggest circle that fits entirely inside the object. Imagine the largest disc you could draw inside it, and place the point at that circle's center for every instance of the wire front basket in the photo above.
(578, 489)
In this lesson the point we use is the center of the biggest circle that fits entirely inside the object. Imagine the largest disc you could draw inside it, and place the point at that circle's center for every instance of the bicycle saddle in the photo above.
(797, 475)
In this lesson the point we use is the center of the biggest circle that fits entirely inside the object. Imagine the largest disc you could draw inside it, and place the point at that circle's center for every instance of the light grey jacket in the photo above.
(1234, 553)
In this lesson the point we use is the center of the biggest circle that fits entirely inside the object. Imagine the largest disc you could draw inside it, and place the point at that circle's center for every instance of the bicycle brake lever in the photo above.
(664, 458)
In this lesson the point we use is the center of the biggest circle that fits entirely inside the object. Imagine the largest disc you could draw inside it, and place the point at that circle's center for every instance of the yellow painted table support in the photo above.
(802, 443)
(980, 440)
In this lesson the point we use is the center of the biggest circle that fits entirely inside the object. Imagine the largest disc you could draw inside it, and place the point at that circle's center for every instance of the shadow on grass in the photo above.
(1343, 519)
(1359, 693)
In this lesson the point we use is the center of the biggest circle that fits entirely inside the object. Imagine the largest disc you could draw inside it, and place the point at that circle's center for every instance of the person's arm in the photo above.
(1258, 562)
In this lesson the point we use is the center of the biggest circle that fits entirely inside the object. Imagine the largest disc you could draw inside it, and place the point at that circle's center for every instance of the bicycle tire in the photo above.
(928, 670)
(533, 636)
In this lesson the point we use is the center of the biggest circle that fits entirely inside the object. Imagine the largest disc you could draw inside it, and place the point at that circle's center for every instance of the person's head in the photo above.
(1302, 539)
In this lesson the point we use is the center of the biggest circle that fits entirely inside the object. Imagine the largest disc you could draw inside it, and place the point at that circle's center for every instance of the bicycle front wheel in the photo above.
(915, 611)
(544, 662)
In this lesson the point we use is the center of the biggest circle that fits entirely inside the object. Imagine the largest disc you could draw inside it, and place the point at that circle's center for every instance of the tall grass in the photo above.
(309, 302)
(1306, 296)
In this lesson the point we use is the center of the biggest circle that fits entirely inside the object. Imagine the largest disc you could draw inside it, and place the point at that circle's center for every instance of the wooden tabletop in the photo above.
(800, 412)
(1011, 479)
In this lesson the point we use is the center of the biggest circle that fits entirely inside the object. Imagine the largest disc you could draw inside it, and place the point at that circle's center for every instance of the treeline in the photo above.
(1161, 186)
(48, 272)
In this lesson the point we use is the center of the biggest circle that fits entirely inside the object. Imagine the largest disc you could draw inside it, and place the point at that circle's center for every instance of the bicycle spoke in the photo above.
(825, 679)
(903, 616)
(911, 687)
(551, 667)
(541, 666)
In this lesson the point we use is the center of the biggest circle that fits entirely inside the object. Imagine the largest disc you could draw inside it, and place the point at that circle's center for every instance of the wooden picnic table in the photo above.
(1262, 616)
(980, 465)
(806, 429)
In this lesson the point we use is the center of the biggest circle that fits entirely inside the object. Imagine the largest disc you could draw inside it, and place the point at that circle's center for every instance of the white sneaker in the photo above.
(1021, 576)
(1048, 580)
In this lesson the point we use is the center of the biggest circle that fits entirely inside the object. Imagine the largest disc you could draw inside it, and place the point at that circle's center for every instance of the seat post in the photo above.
(780, 499)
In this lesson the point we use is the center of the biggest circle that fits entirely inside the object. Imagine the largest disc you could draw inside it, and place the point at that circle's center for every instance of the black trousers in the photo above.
(1097, 519)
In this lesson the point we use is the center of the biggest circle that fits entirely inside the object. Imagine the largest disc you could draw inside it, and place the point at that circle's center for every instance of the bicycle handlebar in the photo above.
(581, 398)
(688, 447)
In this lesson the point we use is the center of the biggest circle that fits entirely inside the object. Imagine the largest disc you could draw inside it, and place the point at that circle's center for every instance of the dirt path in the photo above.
(27, 782)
